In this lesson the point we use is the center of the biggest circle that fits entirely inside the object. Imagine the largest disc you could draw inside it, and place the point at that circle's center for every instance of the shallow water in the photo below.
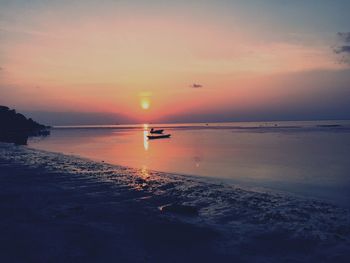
(307, 158)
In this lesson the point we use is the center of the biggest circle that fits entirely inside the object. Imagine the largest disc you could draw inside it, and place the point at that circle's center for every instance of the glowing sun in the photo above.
(145, 104)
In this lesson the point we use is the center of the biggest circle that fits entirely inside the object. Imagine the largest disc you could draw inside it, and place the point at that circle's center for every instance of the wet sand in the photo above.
(59, 208)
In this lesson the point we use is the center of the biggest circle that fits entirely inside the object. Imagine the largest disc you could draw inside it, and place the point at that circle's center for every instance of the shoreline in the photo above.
(247, 186)
(108, 212)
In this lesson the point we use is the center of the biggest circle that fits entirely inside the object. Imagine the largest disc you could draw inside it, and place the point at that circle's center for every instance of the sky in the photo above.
(95, 62)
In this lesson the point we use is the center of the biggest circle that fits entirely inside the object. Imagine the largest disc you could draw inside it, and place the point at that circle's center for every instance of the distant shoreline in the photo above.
(221, 125)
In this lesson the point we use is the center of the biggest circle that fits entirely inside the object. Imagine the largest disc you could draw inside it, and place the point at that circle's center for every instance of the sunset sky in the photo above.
(138, 61)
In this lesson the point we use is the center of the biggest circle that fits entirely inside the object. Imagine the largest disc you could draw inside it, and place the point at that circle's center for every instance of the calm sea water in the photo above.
(306, 158)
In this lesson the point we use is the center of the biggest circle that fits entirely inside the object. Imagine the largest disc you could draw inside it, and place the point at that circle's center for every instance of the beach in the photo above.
(62, 208)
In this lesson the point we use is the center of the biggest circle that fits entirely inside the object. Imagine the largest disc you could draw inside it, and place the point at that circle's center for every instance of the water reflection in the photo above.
(145, 140)
(197, 161)
(144, 172)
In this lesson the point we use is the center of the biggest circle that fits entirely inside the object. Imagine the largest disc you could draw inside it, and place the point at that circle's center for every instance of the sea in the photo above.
(306, 158)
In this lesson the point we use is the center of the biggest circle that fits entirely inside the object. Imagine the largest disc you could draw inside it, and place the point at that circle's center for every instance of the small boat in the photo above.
(162, 136)
(153, 131)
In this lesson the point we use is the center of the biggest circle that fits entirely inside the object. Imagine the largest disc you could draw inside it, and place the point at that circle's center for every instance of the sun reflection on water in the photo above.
(144, 172)
(145, 139)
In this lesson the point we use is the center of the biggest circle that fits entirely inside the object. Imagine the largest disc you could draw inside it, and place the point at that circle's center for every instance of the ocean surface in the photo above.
(303, 158)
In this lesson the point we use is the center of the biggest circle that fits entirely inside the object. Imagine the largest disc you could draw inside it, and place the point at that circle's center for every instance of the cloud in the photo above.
(345, 36)
(343, 48)
(196, 86)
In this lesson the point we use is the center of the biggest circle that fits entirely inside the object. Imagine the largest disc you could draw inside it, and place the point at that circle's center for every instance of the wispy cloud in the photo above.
(343, 48)
(24, 30)
(345, 36)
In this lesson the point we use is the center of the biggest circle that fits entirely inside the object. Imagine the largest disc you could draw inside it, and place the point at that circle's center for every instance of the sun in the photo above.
(145, 104)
